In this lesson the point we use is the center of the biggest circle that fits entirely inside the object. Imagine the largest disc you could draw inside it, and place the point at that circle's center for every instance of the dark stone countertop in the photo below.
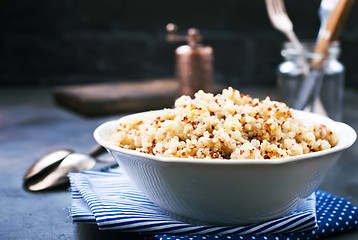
(31, 125)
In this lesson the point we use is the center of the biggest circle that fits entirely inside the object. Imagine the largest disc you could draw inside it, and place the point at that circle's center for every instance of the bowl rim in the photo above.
(346, 137)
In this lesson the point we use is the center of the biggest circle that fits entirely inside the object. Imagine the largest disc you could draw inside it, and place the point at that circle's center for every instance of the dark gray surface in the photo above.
(31, 126)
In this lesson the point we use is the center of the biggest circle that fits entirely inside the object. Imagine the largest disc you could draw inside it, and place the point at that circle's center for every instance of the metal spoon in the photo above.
(46, 162)
(73, 162)
(330, 32)
(324, 11)
(52, 169)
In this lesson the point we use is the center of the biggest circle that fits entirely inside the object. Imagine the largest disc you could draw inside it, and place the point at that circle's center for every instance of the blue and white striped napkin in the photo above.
(111, 200)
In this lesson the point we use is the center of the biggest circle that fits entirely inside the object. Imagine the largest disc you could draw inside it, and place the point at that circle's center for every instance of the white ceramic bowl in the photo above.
(228, 192)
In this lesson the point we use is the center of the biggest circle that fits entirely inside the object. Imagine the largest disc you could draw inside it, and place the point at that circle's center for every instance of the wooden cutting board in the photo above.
(116, 98)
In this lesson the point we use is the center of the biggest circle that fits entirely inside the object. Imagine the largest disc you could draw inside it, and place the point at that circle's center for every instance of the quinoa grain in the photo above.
(230, 125)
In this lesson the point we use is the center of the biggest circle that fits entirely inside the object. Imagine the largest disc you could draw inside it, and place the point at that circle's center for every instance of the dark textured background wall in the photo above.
(53, 42)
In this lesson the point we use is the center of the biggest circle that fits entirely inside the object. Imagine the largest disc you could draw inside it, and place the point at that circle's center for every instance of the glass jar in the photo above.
(290, 75)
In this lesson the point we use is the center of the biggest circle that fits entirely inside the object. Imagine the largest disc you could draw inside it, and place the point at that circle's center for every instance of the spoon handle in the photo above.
(96, 151)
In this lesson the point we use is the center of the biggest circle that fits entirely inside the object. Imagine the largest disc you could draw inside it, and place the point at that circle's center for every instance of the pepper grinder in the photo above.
(194, 62)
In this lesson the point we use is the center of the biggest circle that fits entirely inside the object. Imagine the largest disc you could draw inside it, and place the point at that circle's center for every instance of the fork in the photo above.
(280, 20)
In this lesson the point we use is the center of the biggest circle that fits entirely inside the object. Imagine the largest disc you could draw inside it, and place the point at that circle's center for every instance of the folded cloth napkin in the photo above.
(112, 201)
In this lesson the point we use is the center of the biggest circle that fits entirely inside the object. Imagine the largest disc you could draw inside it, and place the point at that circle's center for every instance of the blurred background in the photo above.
(64, 42)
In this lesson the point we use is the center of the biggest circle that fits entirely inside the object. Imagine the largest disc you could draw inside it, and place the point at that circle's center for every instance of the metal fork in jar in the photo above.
(280, 20)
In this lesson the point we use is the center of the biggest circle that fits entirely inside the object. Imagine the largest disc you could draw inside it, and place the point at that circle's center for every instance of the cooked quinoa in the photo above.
(230, 125)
